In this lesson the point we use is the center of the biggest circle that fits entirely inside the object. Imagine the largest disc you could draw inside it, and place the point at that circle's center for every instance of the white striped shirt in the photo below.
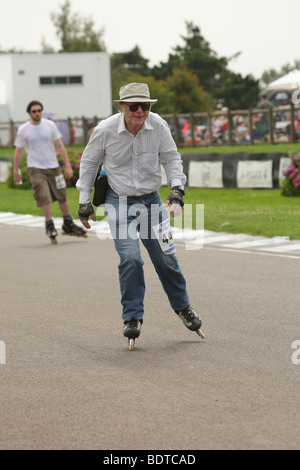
(132, 163)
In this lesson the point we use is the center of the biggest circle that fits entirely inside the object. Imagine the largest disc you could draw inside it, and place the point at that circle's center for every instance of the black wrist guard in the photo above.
(180, 189)
(85, 210)
(175, 196)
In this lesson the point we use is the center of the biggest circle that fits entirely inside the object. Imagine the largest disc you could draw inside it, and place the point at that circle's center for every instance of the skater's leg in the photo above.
(50, 230)
(41, 191)
(64, 208)
(46, 209)
(168, 269)
(166, 265)
(169, 273)
(131, 278)
(131, 273)
(49, 224)
(173, 282)
(68, 226)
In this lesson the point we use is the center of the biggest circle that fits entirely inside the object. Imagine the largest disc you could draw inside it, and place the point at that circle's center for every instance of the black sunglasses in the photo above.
(36, 111)
(134, 107)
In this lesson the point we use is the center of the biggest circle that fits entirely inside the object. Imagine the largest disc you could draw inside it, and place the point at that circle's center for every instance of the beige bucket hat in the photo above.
(134, 93)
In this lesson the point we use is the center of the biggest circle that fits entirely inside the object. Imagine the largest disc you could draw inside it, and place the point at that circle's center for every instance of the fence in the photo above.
(226, 127)
(239, 127)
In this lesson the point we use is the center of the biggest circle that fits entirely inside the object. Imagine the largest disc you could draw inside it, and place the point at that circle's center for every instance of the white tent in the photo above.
(290, 81)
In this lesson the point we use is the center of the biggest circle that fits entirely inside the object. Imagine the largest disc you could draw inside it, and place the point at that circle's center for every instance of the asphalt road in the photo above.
(69, 382)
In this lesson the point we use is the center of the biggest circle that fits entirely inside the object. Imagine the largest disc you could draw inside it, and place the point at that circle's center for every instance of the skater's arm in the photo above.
(170, 158)
(17, 161)
(91, 158)
(64, 155)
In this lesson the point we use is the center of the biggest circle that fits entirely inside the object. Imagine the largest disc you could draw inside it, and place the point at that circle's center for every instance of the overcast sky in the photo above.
(265, 31)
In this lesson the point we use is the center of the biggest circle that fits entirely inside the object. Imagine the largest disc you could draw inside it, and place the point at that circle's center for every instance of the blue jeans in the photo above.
(131, 219)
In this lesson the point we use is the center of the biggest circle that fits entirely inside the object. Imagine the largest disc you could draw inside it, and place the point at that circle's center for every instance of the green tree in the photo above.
(132, 60)
(188, 95)
(212, 71)
(200, 59)
(76, 34)
(238, 92)
(197, 55)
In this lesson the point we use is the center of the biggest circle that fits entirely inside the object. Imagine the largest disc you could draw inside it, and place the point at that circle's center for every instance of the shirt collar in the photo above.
(122, 128)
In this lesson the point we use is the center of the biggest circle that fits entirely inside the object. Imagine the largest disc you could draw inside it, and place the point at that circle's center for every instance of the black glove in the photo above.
(176, 196)
(85, 210)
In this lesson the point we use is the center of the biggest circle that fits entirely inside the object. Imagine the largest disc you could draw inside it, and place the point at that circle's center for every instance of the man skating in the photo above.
(39, 137)
(132, 145)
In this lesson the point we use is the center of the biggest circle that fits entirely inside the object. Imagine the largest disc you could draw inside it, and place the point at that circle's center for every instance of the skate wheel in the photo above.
(200, 333)
(53, 241)
(131, 344)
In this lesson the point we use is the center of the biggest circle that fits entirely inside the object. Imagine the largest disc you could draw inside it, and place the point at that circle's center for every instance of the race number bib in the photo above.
(164, 236)
(60, 182)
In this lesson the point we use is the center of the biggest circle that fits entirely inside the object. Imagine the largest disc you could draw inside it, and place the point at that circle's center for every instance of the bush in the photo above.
(25, 177)
(74, 157)
(290, 186)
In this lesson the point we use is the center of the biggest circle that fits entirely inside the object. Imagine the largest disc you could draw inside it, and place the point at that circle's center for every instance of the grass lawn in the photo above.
(257, 148)
(21, 201)
(255, 212)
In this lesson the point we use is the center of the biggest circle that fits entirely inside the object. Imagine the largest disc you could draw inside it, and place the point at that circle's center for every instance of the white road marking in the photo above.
(225, 241)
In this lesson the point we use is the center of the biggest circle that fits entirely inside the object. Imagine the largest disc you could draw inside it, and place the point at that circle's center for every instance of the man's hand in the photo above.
(84, 212)
(17, 176)
(176, 201)
(68, 171)
(175, 209)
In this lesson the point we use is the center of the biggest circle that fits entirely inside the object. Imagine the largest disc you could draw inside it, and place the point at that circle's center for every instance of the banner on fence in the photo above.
(235, 170)
(254, 174)
(205, 174)
(216, 170)
(4, 170)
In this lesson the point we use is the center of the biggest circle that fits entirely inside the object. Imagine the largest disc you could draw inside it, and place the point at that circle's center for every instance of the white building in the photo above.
(68, 84)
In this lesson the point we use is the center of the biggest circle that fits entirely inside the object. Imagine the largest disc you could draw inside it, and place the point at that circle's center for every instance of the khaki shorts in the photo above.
(44, 186)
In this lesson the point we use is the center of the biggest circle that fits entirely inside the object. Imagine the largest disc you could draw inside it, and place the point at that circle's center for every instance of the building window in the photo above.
(45, 81)
(75, 79)
(62, 80)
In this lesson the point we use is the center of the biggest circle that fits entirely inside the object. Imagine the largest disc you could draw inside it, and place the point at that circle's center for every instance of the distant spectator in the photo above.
(264, 103)
(243, 132)
(216, 131)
